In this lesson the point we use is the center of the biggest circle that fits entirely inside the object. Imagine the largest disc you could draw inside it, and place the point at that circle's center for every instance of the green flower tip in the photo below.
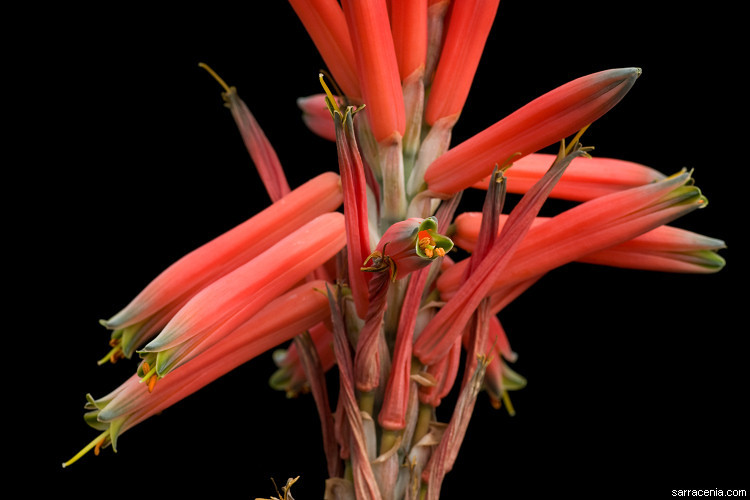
(430, 244)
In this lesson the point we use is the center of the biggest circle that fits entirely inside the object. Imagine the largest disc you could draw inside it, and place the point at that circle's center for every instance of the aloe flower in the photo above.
(155, 305)
(131, 403)
(415, 284)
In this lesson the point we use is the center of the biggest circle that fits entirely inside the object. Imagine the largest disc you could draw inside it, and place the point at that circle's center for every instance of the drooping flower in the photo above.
(133, 402)
(155, 305)
(664, 248)
(223, 305)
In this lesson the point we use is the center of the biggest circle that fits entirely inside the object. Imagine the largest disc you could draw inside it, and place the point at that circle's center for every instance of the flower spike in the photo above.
(544, 121)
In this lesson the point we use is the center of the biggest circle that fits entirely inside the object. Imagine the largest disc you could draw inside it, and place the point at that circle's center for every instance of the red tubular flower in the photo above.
(224, 304)
(325, 23)
(584, 179)
(665, 248)
(375, 56)
(468, 27)
(546, 120)
(603, 223)
(150, 310)
(409, 27)
(280, 320)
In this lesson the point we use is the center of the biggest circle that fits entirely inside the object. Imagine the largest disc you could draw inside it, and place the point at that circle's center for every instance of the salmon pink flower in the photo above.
(132, 402)
(546, 120)
(584, 179)
(155, 305)
(397, 319)
(229, 301)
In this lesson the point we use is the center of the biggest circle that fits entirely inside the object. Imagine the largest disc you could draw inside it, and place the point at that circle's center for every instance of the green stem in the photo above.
(367, 402)
(388, 440)
(423, 422)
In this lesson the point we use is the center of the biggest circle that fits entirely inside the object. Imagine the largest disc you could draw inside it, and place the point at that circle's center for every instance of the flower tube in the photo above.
(377, 68)
(584, 179)
(220, 307)
(324, 21)
(132, 403)
(603, 223)
(544, 121)
(468, 27)
(151, 309)
(665, 248)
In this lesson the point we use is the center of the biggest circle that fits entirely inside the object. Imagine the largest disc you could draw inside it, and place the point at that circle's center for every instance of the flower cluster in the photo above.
(358, 267)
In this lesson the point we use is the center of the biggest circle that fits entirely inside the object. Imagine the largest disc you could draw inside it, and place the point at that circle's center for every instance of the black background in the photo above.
(637, 381)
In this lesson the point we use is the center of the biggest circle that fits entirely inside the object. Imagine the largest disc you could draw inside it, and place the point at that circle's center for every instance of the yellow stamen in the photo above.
(216, 76)
(428, 252)
(330, 99)
(508, 404)
(148, 374)
(576, 139)
(440, 252)
(96, 443)
(110, 355)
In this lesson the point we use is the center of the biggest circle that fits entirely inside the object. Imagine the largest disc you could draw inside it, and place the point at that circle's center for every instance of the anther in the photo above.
(152, 383)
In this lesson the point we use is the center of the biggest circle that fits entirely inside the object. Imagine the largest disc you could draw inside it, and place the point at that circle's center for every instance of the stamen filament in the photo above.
(215, 75)
(96, 443)
(148, 375)
(576, 139)
(110, 356)
(331, 100)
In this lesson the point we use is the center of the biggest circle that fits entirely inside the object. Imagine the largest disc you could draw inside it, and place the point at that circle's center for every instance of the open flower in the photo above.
(159, 301)
(133, 402)
(408, 246)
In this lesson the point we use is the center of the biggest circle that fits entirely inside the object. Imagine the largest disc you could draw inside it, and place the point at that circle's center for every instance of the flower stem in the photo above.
(367, 402)
(423, 422)
(388, 439)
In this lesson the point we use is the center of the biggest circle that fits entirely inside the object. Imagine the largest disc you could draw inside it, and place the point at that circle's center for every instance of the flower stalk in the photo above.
(397, 319)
